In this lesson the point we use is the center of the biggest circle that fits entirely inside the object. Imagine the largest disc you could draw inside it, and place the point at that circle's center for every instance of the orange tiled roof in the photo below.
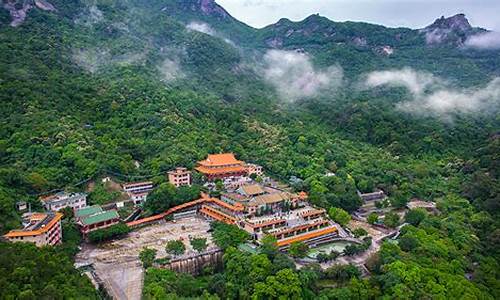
(235, 207)
(203, 198)
(218, 215)
(313, 212)
(300, 227)
(303, 195)
(270, 222)
(207, 170)
(18, 233)
(220, 160)
(306, 236)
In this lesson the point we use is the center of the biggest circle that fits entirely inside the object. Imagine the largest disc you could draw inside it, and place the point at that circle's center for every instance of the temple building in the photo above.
(40, 228)
(179, 177)
(221, 166)
(94, 217)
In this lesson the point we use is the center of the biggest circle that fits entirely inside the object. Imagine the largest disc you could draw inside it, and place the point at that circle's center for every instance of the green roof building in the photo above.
(94, 217)
(100, 217)
(87, 211)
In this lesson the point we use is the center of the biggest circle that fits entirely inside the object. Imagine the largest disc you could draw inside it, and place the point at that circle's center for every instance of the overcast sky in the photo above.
(393, 13)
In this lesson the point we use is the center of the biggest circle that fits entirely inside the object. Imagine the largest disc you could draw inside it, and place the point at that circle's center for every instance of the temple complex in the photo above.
(262, 210)
(221, 166)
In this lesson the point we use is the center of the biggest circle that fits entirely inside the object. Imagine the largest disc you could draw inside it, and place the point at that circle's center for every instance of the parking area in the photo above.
(117, 263)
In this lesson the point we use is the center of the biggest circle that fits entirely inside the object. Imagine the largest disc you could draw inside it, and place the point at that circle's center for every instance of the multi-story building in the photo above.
(94, 217)
(41, 229)
(254, 169)
(374, 196)
(138, 191)
(257, 199)
(179, 177)
(61, 200)
(221, 166)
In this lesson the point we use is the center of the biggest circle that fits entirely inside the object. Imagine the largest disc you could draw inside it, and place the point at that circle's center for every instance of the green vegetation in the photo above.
(298, 249)
(166, 196)
(226, 236)
(29, 272)
(109, 233)
(339, 215)
(358, 232)
(175, 247)
(147, 257)
(372, 218)
(325, 257)
(415, 216)
(354, 249)
(165, 284)
(83, 98)
(269, 246)
(101, 195)
(199, 244)
(391, 219)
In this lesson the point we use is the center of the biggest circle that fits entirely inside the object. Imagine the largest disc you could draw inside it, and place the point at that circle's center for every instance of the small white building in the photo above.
(61, 200)
(138, 191)
(21, 205)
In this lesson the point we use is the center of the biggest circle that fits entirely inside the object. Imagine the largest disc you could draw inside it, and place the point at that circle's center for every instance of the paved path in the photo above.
(117, 263)
(361, 259)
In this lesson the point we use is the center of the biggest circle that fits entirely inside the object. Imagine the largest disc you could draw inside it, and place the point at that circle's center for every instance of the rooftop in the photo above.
(416, 203)
(134, 184)
(87, 211)
(220, 160)
(219, 170)
(101, 217)
(59, 196)
(252, 189)
(236, 197)
(269, 198)
(179, 170)
(41, 223)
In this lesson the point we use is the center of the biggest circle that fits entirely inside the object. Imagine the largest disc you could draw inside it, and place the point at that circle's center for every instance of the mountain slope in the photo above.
(135, 88)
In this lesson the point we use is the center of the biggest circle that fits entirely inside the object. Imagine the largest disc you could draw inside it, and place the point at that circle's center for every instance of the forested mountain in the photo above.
(90, 87)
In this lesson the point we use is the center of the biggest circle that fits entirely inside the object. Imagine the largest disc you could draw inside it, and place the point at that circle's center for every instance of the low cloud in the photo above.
(436, 36)
(294, 76)
(97, 59)
(92, 59)
(91, 16)
(170, 70)
(206, 29)
(201, 27)
(433, 95)
(484, 41)
(415, 82)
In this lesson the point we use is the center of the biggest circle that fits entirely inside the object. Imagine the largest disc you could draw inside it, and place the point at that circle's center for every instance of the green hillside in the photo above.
(92, 87)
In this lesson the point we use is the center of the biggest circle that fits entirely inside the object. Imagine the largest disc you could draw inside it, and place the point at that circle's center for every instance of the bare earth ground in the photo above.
(117, 263)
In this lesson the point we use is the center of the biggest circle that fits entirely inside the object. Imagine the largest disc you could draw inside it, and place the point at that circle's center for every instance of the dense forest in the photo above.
(91, 88)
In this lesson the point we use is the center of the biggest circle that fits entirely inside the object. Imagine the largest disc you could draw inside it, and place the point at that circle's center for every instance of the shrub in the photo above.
(109, 233)
(298, 249)
(175, 247)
